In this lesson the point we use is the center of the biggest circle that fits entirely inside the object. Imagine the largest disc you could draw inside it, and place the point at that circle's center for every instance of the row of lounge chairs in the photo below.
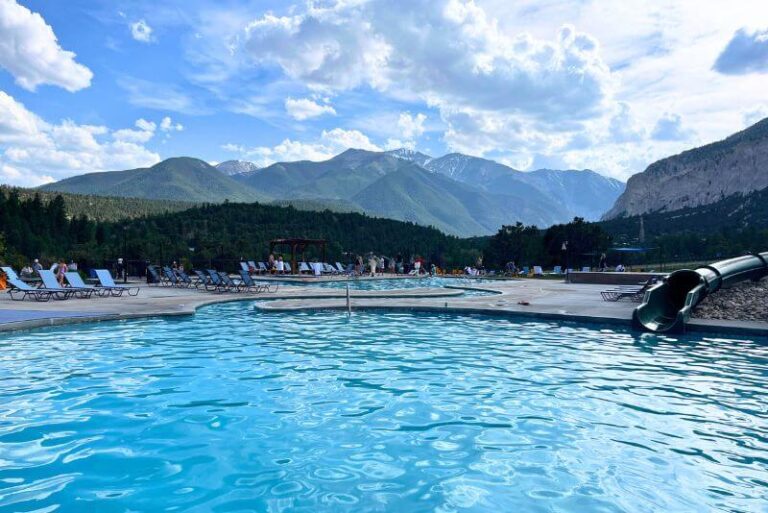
(210, 280)
(51, 289)
(315, 268)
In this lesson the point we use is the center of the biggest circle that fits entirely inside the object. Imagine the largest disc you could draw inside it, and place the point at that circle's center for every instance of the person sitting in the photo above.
(27, 272)
(280, 265)
(37, 266)
(271, 263)
(620, 268)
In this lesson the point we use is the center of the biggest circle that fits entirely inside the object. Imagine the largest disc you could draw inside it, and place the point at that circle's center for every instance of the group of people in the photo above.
(374, 265)
(60, 267)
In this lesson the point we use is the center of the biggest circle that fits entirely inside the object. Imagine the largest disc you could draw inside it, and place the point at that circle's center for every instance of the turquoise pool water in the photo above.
(236, 410)
(403, 283)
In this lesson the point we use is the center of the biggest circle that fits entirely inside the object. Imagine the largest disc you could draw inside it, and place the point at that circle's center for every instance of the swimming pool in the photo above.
(402, 283)
(238, 410)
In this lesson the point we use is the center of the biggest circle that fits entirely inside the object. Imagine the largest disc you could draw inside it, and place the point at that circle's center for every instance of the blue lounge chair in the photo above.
(287, 268)
(50, 283)
(204, 280)
(304, 268)
(105, 279)
(18, 287)
(10, 273)
(76, 282)
(262, 268)
(155, 275)
(244, 267)
(216, 281)
(249, 285)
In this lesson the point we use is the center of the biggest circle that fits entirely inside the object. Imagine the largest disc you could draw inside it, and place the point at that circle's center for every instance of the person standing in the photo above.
(603, 265)
(37, 266)
(120, 268)
(61, 270)
(372, 264)
(280, 265)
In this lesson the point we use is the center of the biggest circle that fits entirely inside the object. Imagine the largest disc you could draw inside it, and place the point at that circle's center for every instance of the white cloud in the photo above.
(305, 108)
(34, 151)
(167, 125)
(141, 31)
(30, 51)
(411, 127)
(448, 54)
(330, 143)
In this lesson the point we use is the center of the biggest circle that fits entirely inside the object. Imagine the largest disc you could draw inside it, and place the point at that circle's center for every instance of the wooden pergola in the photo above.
(297, 247)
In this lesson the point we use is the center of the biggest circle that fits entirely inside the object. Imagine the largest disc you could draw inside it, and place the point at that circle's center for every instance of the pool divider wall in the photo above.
(667, 306)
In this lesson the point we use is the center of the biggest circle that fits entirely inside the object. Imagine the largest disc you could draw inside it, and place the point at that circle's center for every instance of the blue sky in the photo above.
(101, 85)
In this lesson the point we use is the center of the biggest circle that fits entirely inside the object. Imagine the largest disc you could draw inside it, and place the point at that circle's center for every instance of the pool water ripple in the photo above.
(239, 410)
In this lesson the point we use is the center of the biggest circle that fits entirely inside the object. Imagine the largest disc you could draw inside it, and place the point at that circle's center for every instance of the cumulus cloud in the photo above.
(669, 127)
(330, 143)
(448, 54)
(411, 127)
(305, 108)
(30, 51)
(167, 125)
(141, 31)
(34, 151)
(746, 52)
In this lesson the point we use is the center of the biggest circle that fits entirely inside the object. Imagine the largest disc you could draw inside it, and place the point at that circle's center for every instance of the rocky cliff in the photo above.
(738, 164)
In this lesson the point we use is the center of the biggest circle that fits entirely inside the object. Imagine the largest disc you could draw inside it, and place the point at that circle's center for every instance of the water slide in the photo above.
(667, 306)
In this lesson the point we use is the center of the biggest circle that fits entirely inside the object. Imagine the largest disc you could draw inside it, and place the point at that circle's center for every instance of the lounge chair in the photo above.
(155, 275)
(76, 282)
(557, 270)
(249, 285)
(18, 287)
(10, 273)
(538, 271)
(186, 279)
(171, 277)
(231, 284)
(287, 268)
(50, 283)
(304, 268)
(252, 267)
(244, 267)
(204, 280)
(263, 268)
(524, 271)
(586, 269)
(217, 282)
(105, 280)
(632, 293)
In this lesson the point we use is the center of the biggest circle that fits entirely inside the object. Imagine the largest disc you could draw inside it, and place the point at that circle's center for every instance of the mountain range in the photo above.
(459, 194)
(736, 165)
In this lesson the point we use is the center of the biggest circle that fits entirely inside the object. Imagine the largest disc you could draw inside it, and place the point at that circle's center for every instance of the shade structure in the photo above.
(297, 246)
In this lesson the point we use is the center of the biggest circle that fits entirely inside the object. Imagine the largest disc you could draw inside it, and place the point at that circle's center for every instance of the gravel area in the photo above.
(745, 301)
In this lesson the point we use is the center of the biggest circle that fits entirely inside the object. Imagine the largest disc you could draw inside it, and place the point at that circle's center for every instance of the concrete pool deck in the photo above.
(546, 299)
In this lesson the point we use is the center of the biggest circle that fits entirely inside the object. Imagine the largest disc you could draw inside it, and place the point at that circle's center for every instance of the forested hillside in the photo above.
(101, 208)
(210, 235)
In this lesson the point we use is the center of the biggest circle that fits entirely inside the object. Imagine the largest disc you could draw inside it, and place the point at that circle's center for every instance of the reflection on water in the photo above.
(237, 410)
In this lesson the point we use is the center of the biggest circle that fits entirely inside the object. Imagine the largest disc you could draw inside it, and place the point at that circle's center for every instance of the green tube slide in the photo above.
(667, 306)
